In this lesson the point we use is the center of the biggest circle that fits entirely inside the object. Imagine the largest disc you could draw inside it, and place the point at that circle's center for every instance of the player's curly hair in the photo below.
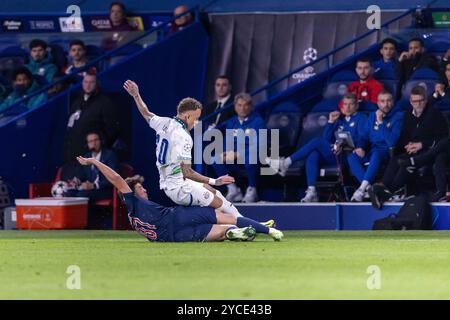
(188, 104)
(131, 182)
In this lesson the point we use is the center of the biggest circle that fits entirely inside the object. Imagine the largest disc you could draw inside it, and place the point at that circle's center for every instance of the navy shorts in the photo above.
(193, 223)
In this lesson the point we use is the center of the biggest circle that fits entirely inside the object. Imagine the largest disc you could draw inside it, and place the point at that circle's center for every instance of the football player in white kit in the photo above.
(179, 181)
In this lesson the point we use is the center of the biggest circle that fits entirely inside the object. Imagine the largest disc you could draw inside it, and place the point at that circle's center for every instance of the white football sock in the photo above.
(227, 206)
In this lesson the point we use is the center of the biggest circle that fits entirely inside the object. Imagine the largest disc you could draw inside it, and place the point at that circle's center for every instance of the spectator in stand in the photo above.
(442, 88)
(366, 88)
(119, 26)
(23, 85)
(183, 21)
(413, 59)
(222, 88)
(90, 110)
(77, 54)
(423, 129)
(388, 60)
(325, 150)
(244, 153)
(41, 60)
(118, 17)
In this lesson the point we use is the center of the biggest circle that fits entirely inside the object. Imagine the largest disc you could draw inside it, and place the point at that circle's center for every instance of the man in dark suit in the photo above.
(413, 59)
(90, 110)
(222, 88)
(89, 182)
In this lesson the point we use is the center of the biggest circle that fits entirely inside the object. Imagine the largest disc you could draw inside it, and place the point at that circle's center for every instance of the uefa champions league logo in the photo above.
(309, 55)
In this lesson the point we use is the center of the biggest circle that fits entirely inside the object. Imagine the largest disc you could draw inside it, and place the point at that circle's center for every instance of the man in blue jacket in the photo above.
(243, 150)
(320, 151)
(90, 182)
(380, 134)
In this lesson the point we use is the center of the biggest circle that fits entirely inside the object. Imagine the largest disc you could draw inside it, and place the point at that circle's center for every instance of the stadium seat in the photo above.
(330, 177)
(424, 74)
(389, 79)
(428, 84)
(119, 213)
(286, 117)
(335, 89)
(423, 77)
(438, 48)
(313, 125)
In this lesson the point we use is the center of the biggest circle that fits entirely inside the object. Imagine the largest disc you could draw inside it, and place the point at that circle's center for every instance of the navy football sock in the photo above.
(243, 222)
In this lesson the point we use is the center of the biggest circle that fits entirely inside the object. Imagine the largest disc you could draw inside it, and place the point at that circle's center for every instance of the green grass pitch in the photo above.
(306, 265)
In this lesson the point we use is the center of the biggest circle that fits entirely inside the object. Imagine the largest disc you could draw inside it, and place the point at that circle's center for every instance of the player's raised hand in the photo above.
(220, 181)
(132, 88)
(85, 161)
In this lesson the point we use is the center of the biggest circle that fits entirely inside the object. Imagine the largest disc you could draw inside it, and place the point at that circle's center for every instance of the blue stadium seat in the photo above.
(335, 89)
(424, 77)
(286, 117)
(385, 74)
(424, 74)
(313, 124)
(388, 78)
(438, 48)
(428, 84)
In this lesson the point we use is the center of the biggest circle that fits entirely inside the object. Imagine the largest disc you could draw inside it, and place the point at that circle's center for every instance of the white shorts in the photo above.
(191, 193)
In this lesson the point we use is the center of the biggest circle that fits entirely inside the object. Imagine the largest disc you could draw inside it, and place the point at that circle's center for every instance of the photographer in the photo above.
(324, 150)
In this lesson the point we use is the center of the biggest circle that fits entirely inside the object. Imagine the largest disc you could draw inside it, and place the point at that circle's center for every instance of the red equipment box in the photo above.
(52, 213)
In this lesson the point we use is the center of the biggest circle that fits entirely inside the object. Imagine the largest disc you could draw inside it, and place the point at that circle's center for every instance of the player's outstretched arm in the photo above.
(189, 173)
(112, 176)
(132, 88)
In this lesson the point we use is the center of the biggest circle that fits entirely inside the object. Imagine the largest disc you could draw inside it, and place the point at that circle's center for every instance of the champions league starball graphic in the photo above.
(309, 55)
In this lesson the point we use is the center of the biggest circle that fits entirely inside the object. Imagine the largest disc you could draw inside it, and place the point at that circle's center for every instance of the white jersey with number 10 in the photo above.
(173, 145)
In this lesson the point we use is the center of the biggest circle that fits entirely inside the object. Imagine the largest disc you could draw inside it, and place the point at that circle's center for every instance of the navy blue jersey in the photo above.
(153, 221)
